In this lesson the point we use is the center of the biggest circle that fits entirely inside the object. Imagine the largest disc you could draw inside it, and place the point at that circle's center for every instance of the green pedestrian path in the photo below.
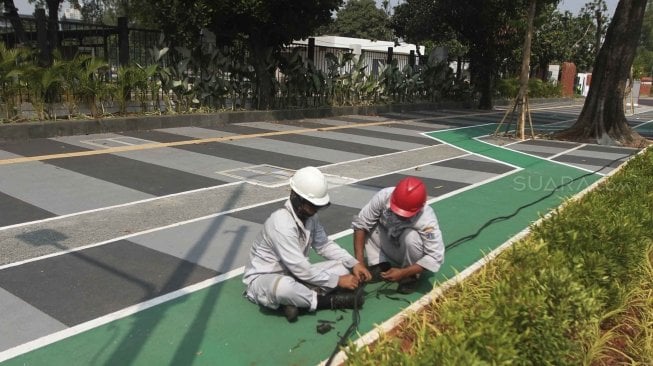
(217, 326)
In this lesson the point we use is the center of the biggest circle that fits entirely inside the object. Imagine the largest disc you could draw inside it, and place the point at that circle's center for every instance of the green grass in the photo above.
(576, 291)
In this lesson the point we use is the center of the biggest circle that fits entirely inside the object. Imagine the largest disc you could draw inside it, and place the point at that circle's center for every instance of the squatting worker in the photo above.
(279, 274)
(399, 234)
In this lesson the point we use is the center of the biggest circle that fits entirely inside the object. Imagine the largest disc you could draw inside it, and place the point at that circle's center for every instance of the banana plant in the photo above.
(438, 78)
(240, 85)
(178, 80)
(212, 84)
(410, 84)
(358, 82)
(337, 69)
(294, 84)
(155, 83)
(317, 84)
(390, 78)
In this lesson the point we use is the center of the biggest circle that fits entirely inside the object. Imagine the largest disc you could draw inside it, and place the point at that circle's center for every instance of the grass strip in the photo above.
(576, 291)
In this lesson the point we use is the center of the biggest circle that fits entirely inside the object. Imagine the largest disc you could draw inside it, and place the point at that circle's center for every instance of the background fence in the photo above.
(120, 45)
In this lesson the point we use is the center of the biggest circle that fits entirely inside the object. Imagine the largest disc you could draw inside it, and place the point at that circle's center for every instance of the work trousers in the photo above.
(274, 290)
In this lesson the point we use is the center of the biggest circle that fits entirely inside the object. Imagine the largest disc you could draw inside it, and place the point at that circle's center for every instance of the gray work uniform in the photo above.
(278, 271)
(417, 240)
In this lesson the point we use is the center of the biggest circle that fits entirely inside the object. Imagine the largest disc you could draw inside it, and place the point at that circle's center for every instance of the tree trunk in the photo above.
(483, 77)
(53, 27)
(602, 119)
(12, 14)
(598, 14)
(522, 96)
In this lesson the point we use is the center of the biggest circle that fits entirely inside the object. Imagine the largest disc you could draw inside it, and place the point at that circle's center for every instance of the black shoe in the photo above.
(407, 285)
(341, 300)
(291, 312)
(376, 270)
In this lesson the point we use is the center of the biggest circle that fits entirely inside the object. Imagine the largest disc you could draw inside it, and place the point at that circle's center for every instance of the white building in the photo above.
(72, 14)
(374, 52)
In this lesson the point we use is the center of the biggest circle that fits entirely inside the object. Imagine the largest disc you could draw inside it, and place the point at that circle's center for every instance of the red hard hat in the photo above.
(409, 197)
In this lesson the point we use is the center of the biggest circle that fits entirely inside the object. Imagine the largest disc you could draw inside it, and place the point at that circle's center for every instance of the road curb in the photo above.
(46, 129)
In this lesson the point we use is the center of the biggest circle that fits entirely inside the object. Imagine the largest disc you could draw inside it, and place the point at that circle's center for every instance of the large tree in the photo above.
(603, 119)
(266, 26)
(597, 12)
(11, 12)
(139, 12)
(521, 101)
(361, 19)
(491, 30)
(562, 37)
(263, 26)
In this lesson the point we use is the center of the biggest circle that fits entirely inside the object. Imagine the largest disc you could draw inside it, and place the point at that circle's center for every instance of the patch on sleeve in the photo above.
(429, 232)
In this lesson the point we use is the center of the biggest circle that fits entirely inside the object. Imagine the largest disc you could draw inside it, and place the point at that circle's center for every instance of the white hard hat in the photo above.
(310, 184)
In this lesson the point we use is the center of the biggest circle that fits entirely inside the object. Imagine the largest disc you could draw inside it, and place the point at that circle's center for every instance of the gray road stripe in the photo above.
(80, 286)
(15, 211)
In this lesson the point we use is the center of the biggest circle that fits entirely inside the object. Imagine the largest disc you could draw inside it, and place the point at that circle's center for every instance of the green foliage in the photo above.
(211, 78)
(41, 82)
(298, 82)
(552, 297)
(421, 21)
(83, 81)
(508, 88)
(563, 37)
(361, 19)
(643, 64)
(10, 71)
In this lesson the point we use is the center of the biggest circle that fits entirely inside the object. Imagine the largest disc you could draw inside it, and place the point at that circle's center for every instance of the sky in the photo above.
(572, 5)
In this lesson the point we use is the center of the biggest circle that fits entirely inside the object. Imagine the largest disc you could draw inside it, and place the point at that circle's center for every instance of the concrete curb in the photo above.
(45, 129)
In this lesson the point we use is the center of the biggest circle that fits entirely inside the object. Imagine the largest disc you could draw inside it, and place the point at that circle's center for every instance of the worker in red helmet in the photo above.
(399, 234)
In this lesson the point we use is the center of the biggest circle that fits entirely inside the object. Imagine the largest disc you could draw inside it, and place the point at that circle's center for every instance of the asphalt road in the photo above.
(93, 225)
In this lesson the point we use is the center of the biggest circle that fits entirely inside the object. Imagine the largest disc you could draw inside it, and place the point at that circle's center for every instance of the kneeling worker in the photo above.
(399, 234)
(279, 273)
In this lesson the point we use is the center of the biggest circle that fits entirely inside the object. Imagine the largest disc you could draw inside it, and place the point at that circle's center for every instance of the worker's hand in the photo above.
(393, 274)
(349, 282)
(361, 272)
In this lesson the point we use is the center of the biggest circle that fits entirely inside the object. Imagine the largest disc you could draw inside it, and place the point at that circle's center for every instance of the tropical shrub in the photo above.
(576, 291)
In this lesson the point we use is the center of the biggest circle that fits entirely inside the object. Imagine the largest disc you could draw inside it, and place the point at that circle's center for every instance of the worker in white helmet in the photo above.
(279, 274)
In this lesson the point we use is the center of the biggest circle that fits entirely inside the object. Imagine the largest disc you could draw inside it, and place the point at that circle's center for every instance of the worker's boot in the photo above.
(342, 299)
(291, 312)
(376, 270)
(408, 285)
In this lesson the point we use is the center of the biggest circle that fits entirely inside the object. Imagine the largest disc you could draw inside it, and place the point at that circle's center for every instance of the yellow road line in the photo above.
(157, 145)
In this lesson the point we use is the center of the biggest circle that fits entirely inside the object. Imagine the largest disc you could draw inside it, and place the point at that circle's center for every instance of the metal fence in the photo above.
(121, 45)
(99, 40)
(105, 42)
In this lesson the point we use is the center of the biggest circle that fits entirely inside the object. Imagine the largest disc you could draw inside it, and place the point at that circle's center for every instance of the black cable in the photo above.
(553, 191)
(355, 321)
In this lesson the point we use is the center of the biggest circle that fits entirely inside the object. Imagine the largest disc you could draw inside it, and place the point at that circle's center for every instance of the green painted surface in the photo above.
(218, 326)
